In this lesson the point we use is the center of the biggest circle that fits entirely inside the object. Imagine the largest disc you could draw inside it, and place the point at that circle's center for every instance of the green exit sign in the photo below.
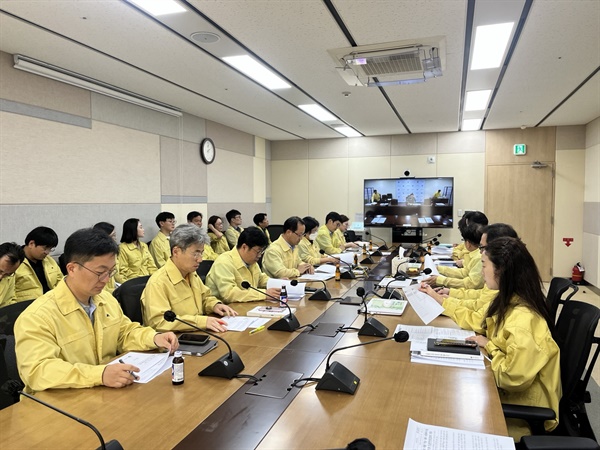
(519, 149)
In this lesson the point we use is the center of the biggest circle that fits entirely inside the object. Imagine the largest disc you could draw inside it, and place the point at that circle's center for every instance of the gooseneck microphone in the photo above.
(347, 275)
(227, 366)
(372, 326)
(434, 238)
(392, 293)
(383, 247)
(319, 294)
(338, 378)
(287, 323)
(368, 259)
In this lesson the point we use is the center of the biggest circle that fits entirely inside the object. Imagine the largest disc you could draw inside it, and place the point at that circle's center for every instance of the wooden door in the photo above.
(523, 197)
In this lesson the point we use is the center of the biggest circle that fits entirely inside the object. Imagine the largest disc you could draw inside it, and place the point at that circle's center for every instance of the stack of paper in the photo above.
(293, 292)
(151, 365)
(240, 323)
(426, 307)
(390, 307)
(269, 311)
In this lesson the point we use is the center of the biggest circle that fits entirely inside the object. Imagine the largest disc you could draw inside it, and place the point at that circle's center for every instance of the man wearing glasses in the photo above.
(66, 338)
(238, 265)
(11, 257)
(39, 273)
(281, 258)
(177, 287)
(159, 247)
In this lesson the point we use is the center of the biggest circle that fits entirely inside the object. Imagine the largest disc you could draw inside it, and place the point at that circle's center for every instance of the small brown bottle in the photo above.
(370, 245)
(355, 259)
(338, 273)
(177, 373)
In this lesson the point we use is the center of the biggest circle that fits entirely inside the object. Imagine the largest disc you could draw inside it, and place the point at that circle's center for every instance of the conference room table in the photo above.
(207, 412)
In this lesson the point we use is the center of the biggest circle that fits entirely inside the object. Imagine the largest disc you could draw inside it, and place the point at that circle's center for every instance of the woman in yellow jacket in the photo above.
(516, 330)
(218, 241)
(134, 258)
(308, 250)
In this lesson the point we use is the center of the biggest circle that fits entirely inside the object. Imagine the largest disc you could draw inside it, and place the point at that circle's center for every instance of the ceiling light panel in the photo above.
(471, 124)
(477, 100)
(318, 112)
(347, 131)
(255, 70)
(159, 7)
(490, 45)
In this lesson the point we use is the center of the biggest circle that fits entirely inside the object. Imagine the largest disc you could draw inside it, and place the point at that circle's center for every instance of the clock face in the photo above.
(207, 150)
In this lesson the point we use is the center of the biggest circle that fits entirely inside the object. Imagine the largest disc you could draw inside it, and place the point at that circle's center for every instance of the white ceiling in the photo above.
(557, 49)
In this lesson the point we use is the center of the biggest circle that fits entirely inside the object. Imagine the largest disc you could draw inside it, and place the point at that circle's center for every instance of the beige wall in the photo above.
(591, 206)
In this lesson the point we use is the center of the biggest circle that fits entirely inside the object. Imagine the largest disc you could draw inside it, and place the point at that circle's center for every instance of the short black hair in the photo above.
(333, 216)
(292, 223)
(311, 223)
(193, 214)
(163, 217)
(231, 214)
(104, 226)
(130, 233)
(344, 218)
(212, 220)
(252, 237)
(477, 217)
(86, 244)
(498, 230)
(13, 251)
(258, 218)
(42, 236)
(472, 233)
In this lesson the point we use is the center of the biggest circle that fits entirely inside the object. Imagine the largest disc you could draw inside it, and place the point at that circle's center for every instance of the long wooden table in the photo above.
(160, 415)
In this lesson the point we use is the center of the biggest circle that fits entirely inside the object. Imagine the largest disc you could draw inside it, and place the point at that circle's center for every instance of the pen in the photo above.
(257, 329)
(131, 372)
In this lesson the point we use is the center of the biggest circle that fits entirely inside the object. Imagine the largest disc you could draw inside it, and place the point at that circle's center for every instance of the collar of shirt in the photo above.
(89, 309)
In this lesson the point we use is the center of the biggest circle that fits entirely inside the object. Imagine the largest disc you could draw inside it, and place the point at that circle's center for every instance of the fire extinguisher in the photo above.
(577, 274)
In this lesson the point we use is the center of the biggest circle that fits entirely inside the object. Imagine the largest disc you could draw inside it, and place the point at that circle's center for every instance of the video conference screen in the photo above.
(409, 202)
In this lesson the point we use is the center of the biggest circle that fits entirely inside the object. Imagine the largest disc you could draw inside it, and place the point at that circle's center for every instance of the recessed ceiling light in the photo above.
(347, 131)
(471, 124)
(490, 45)
(318, 112)
(477, 100)
(257, 71)
(159, 7)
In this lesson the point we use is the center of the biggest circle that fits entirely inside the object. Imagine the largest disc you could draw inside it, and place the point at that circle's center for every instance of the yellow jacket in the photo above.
(525, 358)
(27, 284)
(226, 276)
(309, 252)
(280, 260)
(338, 236)
(58, 347)
(473, 299)
(209, 254)
(186, 297)
(470, 276)
(160, 249)
(327, 241)
(219, 245)
(264, 230)
(7, 291)
(134, 262)
(232, 236)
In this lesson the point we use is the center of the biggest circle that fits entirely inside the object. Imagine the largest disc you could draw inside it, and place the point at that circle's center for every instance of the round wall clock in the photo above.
(208, 150)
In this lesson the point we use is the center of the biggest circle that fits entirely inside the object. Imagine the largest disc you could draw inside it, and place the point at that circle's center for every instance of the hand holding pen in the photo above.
(119, 375)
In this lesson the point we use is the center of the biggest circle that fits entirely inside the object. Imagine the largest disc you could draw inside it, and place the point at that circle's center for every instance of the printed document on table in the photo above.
(241, 323)
(429, 264)
(317, 276)
(390, 283)
(293, 292)
(348, 258)
(425, 306)
(151, 365)
(420, 436)
(325, 268)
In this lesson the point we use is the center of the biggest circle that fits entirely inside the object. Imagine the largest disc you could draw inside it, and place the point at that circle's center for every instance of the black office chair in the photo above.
(575, 336)
(275, 231)
(557, 443)
(558, 286)
(350, 236)
(129, 295)
(203, 269)
(9, 314)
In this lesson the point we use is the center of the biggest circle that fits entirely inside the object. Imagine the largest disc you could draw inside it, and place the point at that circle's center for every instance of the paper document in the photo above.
(240, 323)
(293, 292)
(390, 307)
(348, 258)
(429, 264)
(420, 436)
(325, 268)
(425, 306)
(388, 281)
(151, 365)
(441, 250)
(421, 334)
(269, 311)
(320, 276)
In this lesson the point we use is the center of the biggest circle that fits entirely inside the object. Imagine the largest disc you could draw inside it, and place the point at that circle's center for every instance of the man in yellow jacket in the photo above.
(177, 287)
(159, 247)
(262, 222)
(11, 257)
(281, 259)
(66, 338)
(326, 237)
(39, 272)
(232, 234)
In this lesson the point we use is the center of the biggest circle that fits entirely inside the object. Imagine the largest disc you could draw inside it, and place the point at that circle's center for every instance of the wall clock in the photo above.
(208, 150)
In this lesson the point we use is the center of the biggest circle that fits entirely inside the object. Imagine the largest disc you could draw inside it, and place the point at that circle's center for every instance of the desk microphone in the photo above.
(320, 294)
(348, 275)
(372, 326)
(227, 366)
(393, 293)
(434, 238)
(368, 259)
(13, 387)
(287, 323)
(338, 378)
(383, 247)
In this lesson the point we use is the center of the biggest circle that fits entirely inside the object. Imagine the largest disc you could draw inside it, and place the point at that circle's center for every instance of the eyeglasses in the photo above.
(173, 221)
(47, 248)
(106, 274)
(482, 248)
(298, 234)
(260, 252)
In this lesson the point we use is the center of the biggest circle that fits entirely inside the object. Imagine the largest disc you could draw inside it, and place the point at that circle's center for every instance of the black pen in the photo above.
(130, 371)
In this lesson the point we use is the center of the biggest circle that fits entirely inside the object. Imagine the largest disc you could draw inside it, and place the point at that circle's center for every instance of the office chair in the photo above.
(275, 231)
(9, 314)
(129, 295)
(575, 336)
(350, 236)
(557, 443)
(203, 269)
(558, 286)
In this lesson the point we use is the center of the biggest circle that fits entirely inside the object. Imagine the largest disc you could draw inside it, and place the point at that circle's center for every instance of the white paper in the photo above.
(421, 334)
(326, 268)
(429, 264)
(150, 364)
(441, 250)
(348, 258)
(421, 436)
(241, 323)
(425, 306)
(293, 292)
(387, 281)
(320, 276)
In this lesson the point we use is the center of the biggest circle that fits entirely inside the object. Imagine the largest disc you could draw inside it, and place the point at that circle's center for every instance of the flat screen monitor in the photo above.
(409, 202)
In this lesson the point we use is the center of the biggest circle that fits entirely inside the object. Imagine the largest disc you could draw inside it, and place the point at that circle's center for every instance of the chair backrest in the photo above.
(7, 377)
(558, 286)
(275, 231)
(129, 295)
(9, 314)
(350, 236)
(203, 269)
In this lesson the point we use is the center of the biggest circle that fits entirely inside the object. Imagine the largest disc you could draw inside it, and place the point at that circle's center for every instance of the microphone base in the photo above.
(113, 444)
(321, 294)
(288, 323)
(392, 294)
(224, 367)
(377, 252)
(339, 379)
(373, 327)
(348, 275)
(383, 248)
(367, 260)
